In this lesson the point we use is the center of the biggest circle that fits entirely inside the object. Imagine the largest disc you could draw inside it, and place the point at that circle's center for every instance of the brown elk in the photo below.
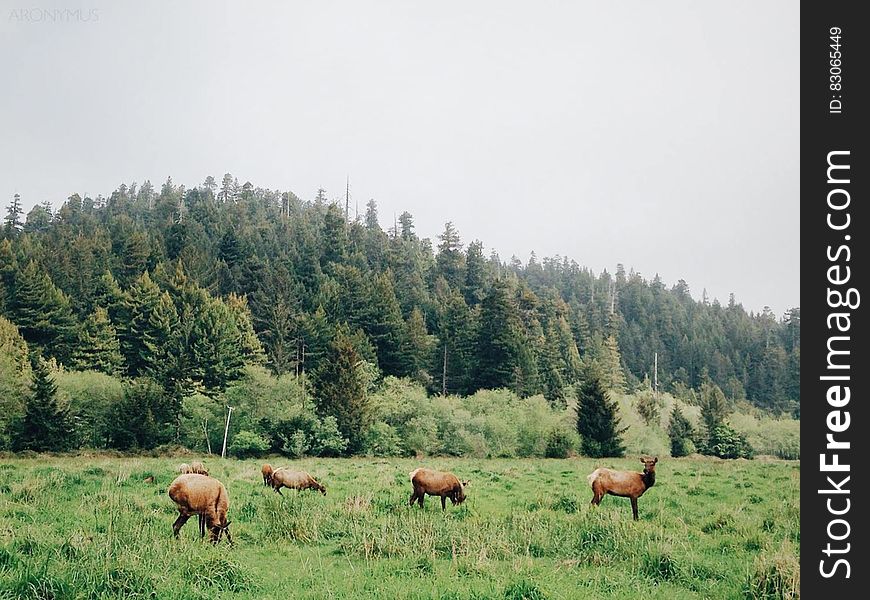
(267, 474)
(436, 483)
(196, 494)
(294, 480)
(626, 484)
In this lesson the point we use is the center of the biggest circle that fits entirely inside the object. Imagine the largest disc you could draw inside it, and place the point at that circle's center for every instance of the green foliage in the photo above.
(724, 442)
(98, 348)
(598, 420)
(340, 390)
(714, 406)
(47, 423)
(649, 407)
(145, 418)
(327, 438)
(560, 444)
(499, 342)
(14, 376)
(382, 440)
(680, 432)
(247, 444)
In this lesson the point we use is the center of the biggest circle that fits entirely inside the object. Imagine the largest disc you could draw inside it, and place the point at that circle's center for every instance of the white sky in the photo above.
(662, 135)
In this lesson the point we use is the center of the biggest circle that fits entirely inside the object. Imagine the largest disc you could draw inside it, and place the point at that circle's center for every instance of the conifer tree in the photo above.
(98, 348)
(598, 420)
(680, 433)
(47, 424)
(340, 389)
(42, 312)
(498, 341)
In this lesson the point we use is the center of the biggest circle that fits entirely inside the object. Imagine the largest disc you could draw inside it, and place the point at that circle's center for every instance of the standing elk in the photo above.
(436, 483)
(267, 474)
(626, 484)
(196, 494)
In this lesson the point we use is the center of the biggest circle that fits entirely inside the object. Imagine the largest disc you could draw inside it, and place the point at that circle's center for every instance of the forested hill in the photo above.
(177, 280)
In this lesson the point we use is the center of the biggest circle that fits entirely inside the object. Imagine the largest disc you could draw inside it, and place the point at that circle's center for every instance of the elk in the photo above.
(626, 484)
(196, 494)
(267, 474)
(198, 467)
(294, 480)
(436, 483)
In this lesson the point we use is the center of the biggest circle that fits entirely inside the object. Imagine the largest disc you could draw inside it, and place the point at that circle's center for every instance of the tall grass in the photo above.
(92, 528)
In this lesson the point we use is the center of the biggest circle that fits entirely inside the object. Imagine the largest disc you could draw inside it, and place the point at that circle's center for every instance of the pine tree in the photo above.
(12, 222)
(498, 341)
(248, 342)
(714, 406)
(384, 326)
(47, 424)
(98, 348)
(680, 433)
(598, 420)
(450, 260)
(453, 363)
(340, 389)
(475, 273)
(42, 312)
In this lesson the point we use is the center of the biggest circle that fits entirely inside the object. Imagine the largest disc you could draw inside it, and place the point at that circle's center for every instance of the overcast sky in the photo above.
(661, 135)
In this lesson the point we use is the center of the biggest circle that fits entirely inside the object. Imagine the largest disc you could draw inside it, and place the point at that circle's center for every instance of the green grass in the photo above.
(91, 528)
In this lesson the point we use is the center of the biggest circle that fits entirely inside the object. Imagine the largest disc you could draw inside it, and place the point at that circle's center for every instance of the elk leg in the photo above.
(443, 505)
(413, 498)
(179, 523)
(634, 508)
(420, 497)
(201, 525)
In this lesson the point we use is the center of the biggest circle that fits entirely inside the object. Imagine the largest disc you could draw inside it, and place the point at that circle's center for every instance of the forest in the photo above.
(164, 303)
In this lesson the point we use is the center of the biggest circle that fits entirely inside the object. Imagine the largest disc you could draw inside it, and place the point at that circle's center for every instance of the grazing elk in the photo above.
(436, 483)
(267, 474)
(626, 484)
(198, 467)
(196, 494)
(294, 480)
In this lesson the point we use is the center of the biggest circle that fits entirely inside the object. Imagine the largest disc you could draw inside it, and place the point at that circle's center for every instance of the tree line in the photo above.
(187, 286)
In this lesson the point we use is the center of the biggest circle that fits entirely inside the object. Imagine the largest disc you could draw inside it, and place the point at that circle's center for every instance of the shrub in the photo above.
(724, 442)
(327, 438)
(296, 445)
(247, 444)
(560, 443)
(680, 434)
(382, 440)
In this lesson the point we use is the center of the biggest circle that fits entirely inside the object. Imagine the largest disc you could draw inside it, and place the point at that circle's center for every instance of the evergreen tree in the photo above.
(451, 261)
(598, 420)
(714, 406)
(680, 433)
(475, 273)
(340, 389)
(47, 424)
(98, 348)
(498, 341)
(454, 359)
(12, 222)
(334, 237)
(42, 312)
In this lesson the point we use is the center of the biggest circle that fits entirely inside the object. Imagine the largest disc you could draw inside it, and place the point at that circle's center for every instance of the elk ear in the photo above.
(642, 460)
(655, 460)
(466, 482)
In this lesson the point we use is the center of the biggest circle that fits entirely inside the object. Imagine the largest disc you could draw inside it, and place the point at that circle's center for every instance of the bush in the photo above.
(296, 445)
(560, 443)
(724, 442)
(327, 438)
(247, 444)
(382, 440)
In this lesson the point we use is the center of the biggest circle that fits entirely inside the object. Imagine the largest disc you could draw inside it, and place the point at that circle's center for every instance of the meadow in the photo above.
(90, 527)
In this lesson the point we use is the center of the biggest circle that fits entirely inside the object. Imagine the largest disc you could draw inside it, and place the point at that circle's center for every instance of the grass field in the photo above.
(91, 528)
